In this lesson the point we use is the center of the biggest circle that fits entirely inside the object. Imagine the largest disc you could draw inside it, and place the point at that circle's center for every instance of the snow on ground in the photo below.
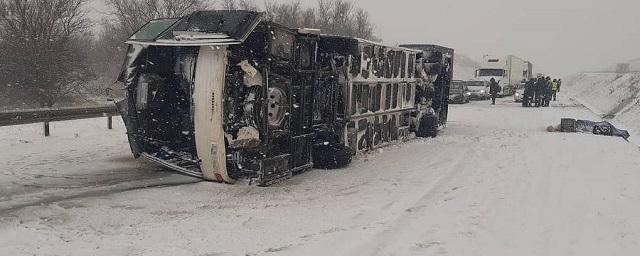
(493, 183)
(81, 157)
(616, 95)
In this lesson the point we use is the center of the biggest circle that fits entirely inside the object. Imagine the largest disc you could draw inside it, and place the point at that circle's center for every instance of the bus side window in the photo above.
(364, 103)
(401, 93)
(407, 94)
(414, 89)
(388, 64)
(403, 65)
(387, 96)
(366, 61)
(355, 64)
(412, 63)
(355, 99)
(394, 96)
(378, 98)
(372, 98)
(397, 61)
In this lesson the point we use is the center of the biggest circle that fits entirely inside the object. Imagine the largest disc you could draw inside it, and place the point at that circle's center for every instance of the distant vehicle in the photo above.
(479, 90)
(459, 92)
(507, 70)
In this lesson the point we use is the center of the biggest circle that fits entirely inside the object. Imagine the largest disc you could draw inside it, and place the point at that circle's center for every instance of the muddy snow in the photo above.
(493, 183)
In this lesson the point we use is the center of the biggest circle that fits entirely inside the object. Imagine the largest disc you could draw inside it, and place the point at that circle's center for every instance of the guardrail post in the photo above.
(46, 129)
(110, 122)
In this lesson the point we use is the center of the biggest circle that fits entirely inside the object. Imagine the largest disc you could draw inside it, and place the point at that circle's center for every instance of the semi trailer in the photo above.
(508, 71)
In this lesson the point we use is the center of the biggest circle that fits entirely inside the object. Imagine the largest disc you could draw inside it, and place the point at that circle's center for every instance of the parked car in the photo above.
(479, 90)
(459, 92)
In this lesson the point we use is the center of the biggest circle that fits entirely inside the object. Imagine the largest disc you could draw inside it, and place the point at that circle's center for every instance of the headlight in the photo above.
(468, 94)
(517, 94)
(482, 91)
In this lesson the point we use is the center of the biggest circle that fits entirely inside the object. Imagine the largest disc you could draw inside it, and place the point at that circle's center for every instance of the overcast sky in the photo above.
(559, 36)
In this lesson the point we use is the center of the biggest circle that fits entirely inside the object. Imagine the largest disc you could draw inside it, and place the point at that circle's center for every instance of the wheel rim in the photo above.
(277, 109)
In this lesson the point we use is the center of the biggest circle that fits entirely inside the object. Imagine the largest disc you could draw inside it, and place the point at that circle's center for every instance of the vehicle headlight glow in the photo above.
(482, 91)
(517, 94)
(468, 94)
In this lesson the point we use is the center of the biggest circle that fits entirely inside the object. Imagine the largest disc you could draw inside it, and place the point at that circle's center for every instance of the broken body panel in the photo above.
(224, 95)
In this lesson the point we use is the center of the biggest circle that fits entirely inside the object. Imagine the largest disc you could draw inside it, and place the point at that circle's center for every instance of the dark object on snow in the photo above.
(598, 128)
(568, 125)
(428, 127)
(331, 156)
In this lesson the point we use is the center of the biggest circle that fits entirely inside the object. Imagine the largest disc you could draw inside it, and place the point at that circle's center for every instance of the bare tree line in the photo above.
(338, 17)
(43, 43)
(50, 51)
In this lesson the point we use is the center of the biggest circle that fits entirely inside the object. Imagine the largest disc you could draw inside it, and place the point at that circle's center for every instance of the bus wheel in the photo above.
(428, 127)
(331, 156)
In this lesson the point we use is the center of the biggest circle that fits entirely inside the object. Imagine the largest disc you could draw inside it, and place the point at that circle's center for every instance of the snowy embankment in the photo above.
(613, 96)
(493, 183)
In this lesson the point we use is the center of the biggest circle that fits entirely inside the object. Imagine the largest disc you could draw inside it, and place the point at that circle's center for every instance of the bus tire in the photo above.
(331, 156)
(428, 127)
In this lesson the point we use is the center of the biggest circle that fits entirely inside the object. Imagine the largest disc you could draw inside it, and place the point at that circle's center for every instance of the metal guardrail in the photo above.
(32, 116)
(611, 72)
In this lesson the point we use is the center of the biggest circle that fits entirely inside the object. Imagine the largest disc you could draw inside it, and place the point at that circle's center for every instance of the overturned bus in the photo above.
(226, 95)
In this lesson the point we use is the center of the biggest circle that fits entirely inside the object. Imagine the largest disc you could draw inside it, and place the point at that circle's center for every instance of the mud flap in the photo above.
(208, 112)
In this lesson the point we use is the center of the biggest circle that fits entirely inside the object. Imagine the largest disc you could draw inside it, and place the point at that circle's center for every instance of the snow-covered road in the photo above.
(493, 183)
(81, 158)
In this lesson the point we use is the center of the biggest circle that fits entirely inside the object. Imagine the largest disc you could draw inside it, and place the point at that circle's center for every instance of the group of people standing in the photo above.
(539, 92)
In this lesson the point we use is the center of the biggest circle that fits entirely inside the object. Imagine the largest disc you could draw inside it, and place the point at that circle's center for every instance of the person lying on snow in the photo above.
(585, 126)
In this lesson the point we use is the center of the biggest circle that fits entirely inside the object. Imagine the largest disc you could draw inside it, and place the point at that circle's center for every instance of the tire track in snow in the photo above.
(414, 207)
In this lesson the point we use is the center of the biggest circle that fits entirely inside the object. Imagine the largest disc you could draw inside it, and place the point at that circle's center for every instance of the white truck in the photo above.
(508, 71)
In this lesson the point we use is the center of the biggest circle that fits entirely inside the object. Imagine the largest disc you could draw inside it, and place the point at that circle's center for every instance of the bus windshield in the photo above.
(457, 87)
(491, 72)
(476, 84)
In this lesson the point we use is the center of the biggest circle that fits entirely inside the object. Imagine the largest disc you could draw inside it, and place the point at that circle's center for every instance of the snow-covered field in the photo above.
(493, 183)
